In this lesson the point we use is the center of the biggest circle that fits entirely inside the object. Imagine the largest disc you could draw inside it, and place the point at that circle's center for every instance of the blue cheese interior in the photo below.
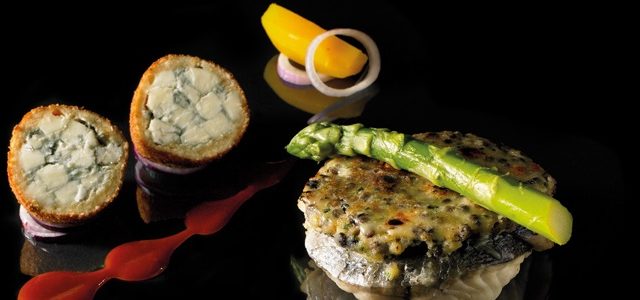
(65, 161)
(190, 106)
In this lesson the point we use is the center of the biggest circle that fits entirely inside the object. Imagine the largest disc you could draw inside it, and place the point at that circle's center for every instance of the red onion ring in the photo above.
(32, 228)
(164, 168)
(295, 75)
(374, 62)
(64, 227)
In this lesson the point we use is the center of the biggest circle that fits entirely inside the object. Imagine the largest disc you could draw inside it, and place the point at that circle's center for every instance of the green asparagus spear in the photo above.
(444, 167)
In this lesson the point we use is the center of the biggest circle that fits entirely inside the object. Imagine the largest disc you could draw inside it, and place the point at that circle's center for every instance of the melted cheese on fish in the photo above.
(374, 209)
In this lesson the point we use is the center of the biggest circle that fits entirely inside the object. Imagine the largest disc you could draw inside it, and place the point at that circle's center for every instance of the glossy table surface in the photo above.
(523, 76)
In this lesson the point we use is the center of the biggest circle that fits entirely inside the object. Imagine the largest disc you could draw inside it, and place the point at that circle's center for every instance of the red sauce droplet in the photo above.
(141, 260)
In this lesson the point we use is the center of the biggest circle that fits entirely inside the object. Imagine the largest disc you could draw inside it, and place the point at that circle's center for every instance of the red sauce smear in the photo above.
(145, 259)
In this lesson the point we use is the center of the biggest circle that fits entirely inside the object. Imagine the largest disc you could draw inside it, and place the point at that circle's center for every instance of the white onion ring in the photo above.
(294, 75)
(372, 73)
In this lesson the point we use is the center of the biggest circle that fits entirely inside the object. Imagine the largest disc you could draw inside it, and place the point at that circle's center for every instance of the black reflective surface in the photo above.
(534, 78)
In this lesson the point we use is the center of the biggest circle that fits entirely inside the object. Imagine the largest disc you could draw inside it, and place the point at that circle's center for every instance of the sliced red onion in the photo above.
(55, 227)
(372, 73)
(295, 75)
(33, 229)
(164, 168)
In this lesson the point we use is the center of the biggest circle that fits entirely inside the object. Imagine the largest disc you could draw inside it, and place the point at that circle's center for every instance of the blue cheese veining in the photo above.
(65, 161)
(190, 106)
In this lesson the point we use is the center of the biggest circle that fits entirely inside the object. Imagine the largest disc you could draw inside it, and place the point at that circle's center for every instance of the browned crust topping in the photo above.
(374, 209)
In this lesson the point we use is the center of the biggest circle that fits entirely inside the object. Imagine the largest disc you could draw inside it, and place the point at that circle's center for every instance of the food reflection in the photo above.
(163, 196)
(160, 196)
(531, 283)
(146, 258)
(81, 251)
(308, 99)
(41, 257)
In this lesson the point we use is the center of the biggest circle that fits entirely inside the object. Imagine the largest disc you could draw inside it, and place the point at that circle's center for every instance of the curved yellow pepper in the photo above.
(291, 34)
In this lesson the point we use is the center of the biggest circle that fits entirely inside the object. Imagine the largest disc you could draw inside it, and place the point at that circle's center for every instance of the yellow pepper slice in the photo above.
(291, 34)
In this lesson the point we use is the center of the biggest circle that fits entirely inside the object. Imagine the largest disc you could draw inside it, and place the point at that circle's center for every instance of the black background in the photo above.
(538, 78)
